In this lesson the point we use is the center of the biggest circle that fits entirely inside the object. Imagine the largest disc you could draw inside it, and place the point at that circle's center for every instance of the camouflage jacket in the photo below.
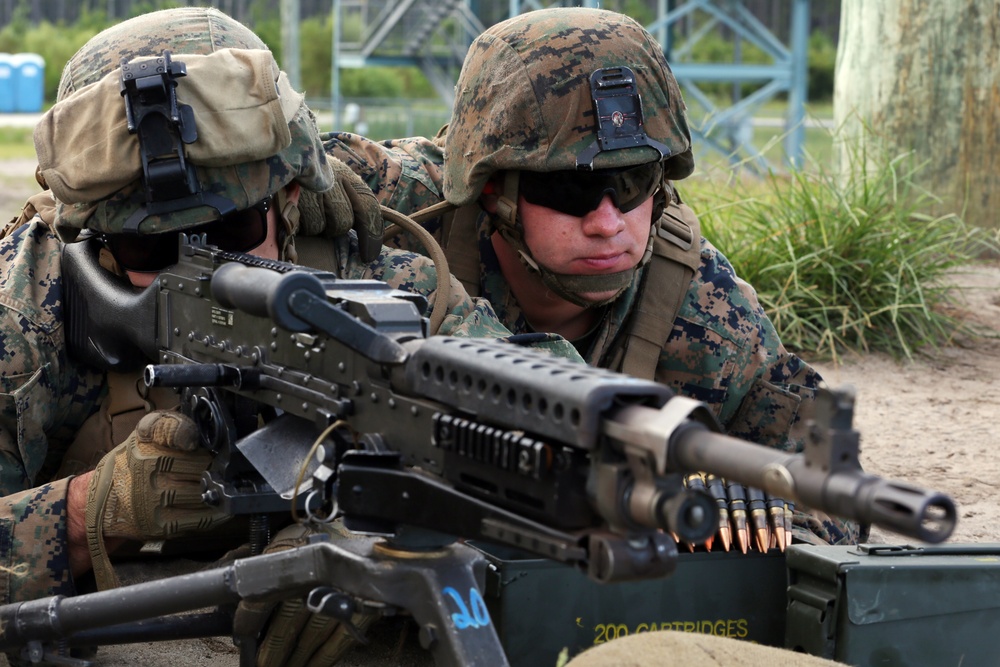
(46, 396)
(723, 350)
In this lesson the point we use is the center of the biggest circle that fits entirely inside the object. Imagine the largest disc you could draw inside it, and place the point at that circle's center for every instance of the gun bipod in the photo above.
(439, 587)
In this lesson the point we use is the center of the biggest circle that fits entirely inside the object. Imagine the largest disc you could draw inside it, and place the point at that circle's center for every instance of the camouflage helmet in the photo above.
(254, 138)
(523, 99)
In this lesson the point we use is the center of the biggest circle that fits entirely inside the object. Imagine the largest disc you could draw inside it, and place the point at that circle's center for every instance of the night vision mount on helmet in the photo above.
(618, 114)
(163, 126)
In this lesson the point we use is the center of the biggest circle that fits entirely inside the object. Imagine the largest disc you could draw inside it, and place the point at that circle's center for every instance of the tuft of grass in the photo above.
(16, 142)
(849, 260)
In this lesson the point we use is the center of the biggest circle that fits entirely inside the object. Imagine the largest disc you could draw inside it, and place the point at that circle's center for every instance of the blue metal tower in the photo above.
(434, 35)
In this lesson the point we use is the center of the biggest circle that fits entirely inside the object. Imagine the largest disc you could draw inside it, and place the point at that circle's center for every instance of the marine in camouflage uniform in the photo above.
(524, 102)
(48, 399)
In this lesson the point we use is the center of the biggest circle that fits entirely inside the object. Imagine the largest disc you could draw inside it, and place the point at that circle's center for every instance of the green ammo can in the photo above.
(893, 606)
(540, 607)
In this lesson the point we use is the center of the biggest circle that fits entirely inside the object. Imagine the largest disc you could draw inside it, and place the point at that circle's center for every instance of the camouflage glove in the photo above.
(148, 488)
(349, 204)
(292, 635)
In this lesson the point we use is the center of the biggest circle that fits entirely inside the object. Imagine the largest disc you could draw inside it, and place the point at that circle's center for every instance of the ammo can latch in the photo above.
(812, 614)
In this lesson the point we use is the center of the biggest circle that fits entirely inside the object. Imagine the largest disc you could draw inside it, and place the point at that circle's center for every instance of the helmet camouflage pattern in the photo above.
(523, 99)
(189, 30)
(297, 152)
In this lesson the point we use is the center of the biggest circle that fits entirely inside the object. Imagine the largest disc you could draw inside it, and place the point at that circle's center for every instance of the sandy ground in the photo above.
(931, 421)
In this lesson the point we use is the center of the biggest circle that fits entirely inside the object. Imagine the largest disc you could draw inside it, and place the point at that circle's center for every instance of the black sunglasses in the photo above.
(239, 231)
(578, 193)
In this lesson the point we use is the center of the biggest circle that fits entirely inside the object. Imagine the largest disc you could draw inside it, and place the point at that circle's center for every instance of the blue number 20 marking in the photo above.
(479, 618)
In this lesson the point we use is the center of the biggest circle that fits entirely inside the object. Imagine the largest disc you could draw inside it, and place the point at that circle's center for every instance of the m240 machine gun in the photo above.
(326, 396)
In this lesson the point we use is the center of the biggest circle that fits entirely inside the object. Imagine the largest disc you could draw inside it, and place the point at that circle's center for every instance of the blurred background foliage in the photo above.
(27, 29)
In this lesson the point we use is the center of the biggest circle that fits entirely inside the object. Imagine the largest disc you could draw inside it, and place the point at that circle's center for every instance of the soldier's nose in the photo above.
(605, 220)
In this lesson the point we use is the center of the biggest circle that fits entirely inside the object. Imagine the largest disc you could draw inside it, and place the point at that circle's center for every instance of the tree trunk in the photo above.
(924, 75)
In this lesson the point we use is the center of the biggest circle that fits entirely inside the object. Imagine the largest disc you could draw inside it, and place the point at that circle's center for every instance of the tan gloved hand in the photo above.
(148, 488)
(349, 204)
(293, 636)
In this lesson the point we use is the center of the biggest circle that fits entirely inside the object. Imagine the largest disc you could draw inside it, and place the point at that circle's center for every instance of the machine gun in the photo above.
(420, 440)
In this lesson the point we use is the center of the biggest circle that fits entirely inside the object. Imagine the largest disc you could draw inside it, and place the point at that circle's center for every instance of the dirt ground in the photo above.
(931, 421)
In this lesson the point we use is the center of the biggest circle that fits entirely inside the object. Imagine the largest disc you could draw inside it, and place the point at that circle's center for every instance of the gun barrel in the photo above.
(851, 493)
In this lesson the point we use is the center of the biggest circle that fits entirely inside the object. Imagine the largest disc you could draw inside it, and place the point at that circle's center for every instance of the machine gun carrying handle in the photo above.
(265, 293)
(297, 302)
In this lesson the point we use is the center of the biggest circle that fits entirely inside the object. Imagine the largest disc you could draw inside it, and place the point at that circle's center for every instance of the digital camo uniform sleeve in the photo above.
(468, 317)
(34, 559)
(44, 399)
(725, 351)
(404, 174)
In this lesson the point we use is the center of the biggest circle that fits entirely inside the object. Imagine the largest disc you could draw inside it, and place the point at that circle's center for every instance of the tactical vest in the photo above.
(120, 411)
(676, 256)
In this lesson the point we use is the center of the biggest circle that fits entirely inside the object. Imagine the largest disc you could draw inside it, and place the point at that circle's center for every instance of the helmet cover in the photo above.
(523, 99)
(223, 170)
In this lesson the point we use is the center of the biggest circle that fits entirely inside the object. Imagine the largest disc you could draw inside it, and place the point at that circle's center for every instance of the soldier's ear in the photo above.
(292, 192)
(488, 197)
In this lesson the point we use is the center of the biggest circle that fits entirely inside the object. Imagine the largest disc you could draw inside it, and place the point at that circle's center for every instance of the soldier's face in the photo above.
(603, 241)
(268, 249)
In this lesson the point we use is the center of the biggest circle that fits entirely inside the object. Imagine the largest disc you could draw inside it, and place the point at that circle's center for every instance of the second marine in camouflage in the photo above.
(567, 135)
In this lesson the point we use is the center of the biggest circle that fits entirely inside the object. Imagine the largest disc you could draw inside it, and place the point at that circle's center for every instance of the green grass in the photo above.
(16, 142)
(842, 261)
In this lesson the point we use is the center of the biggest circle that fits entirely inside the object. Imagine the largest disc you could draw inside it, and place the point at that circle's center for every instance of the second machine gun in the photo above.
(422, 440)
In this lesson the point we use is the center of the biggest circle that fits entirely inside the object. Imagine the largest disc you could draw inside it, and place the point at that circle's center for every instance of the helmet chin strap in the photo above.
(288, 225)
(569, 286)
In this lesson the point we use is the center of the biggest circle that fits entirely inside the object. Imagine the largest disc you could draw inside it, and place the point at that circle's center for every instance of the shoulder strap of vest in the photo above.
(676, 256)
(461, 235)
(317, 252)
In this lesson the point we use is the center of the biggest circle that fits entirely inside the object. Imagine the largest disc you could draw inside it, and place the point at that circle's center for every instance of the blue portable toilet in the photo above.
(29, 82)
(6, 84)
